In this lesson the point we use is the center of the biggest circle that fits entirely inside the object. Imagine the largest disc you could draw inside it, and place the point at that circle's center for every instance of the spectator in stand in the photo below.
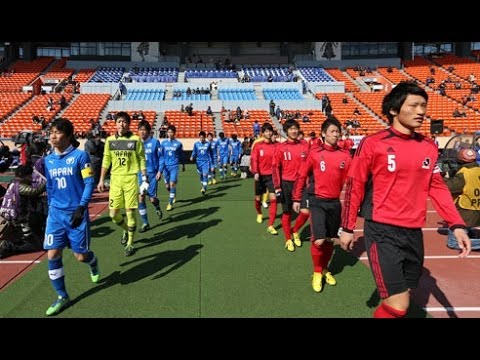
(209, 111)
(464, 186)
(256, 128)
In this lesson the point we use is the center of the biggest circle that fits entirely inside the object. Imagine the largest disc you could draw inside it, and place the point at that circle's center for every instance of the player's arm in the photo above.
(304, 172)
(28, 190)
(181, 157)
(142, 163)
(276, 169)
(194, 152)
(254, 162)
(88, 178)
(161, 160)
(358, 175)
(106, 162)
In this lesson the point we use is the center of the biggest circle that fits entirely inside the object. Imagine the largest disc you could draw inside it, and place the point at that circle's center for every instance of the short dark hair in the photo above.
(267, 126)
(395, 98)
(145, 124)
(172, 127)
(290, 123)
(331, 120)
(202, 133)
(65, 126)
(124, 115)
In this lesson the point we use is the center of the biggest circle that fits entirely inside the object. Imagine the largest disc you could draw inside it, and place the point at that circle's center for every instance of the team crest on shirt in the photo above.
(70, 160)
(426, 163)
(342, 165)
(130, 145)
(303, 155)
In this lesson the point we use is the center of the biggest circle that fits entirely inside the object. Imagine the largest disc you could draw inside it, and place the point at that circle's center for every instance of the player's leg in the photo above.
(386, 264)
(333, 211)
(317, 250)
(130, 191)
(115, 204)
(272, 212)
(258, 188)
(55, 241)
(80, 243)
(173, 187)
(142, 208)
(301, 219)
(287, 188)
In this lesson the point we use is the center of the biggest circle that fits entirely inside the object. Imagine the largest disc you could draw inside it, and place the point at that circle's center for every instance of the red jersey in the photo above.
(315, 142)
(348, 144)
(391, 177)
(329, 167)
(262, 158)
(287, 160)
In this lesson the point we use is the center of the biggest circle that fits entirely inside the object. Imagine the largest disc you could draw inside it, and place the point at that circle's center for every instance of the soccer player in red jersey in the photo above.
(314, 141)
(393, 173)
(326, 167)
(287, 160)
(261, 163)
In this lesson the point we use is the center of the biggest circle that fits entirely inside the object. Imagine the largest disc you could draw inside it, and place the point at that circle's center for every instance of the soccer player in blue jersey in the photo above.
(213, 165)
(172, 153)
(236, 153)
(154, 164)
(202, 153)
(223, 146)
(70, 185)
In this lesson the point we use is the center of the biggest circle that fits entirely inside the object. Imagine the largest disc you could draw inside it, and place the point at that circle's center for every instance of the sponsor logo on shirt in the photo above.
(426, 163)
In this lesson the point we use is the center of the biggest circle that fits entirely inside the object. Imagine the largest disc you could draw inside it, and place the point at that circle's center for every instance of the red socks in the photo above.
(286, 219)
(301, 220)
(272, 212)
(257, 207)
(321, 255)
(387, 312)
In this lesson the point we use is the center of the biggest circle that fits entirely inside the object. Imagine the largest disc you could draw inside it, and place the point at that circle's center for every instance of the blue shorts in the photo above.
(203, 168)
(235, 159)
(59, 234)
(152, 184)
(170, 174)
(224, 159)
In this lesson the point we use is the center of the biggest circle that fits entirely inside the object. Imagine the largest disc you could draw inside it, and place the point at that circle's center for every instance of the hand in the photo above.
(296, 206)
(347, 240)
(279, 194)
(158, 176)
(144, 188)
(77, 217)
(101, 186)
(256, 177)
(464, 242)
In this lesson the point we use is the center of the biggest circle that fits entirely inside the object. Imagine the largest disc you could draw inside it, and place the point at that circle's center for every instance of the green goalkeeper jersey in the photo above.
(125, 154)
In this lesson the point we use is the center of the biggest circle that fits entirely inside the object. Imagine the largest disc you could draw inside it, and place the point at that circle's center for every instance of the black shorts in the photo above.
(263, 184)
(305, 203)
(286, 200)
(325, 217)
(395, 255)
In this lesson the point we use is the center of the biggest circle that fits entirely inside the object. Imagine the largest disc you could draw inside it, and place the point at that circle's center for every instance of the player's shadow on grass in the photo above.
(159, 264)
(200, 198)
(186, 230)
(199, 214)
(419, 300)
(98, 231)
(341, 259)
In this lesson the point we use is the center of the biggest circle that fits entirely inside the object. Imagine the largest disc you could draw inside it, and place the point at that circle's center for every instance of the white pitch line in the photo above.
(19, 261)
(434, 257)
(449, 309)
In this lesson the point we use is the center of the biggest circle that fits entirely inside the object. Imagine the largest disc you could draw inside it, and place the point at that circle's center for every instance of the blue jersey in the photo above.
(213, 145)
(172, 151)
(236, 147)
(222, 146)
(202, 152)
(153, 157)
(70, 180)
